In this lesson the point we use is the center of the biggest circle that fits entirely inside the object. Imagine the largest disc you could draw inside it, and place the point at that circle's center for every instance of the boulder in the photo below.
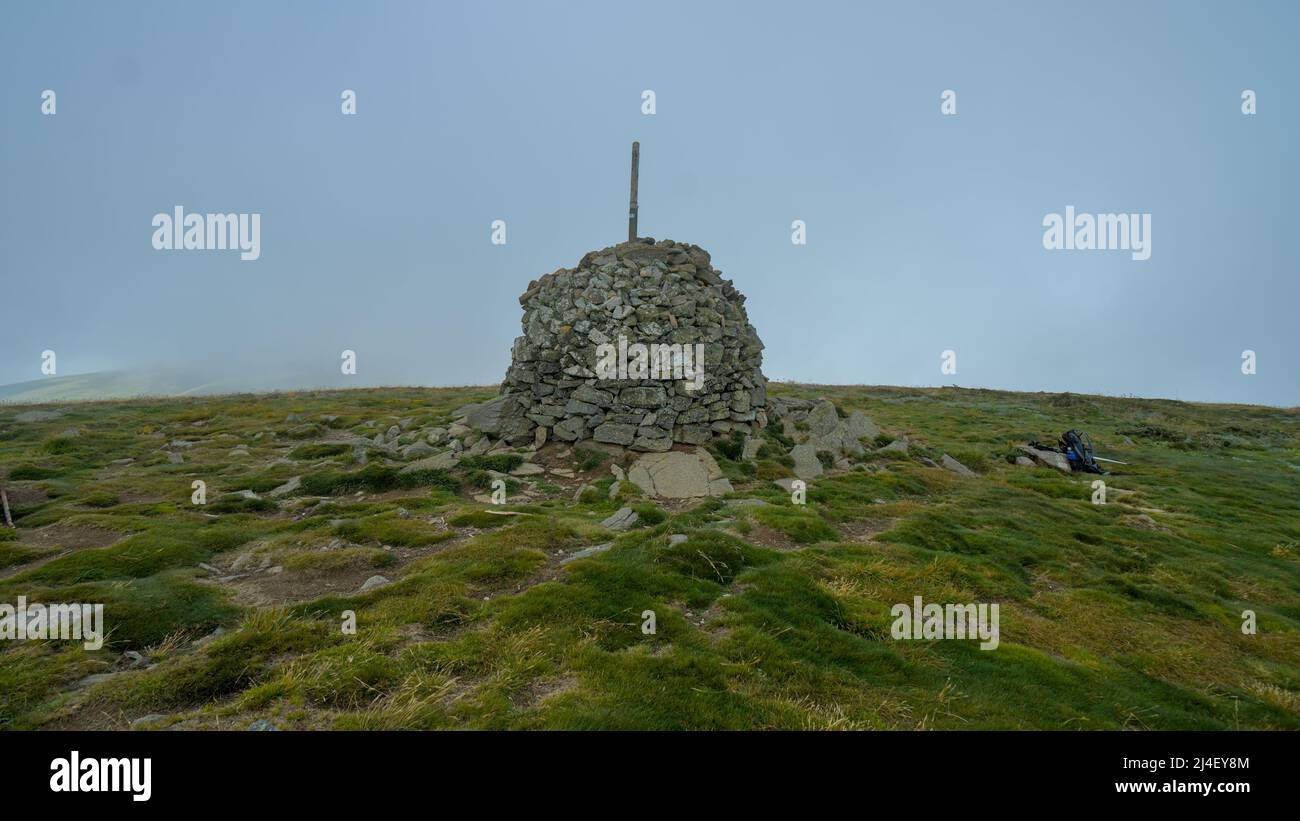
(955, 466)
(502, 417)
(1048, 458)
(806, 464)
(442, 461)
(622, 519)
(678, 475)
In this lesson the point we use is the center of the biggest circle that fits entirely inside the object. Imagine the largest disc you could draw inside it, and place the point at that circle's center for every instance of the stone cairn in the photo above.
(648, 293)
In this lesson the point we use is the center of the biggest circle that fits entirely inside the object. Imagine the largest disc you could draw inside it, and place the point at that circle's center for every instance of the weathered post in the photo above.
(4, 498)
(631, 209)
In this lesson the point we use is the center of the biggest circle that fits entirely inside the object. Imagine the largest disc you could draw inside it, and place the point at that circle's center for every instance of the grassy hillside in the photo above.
(1124, 615)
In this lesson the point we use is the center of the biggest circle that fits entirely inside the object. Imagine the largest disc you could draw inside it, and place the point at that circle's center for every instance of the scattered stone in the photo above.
(286, 488)
(436, 436)
(955, 466)
(371, 583)
(677, 538)
(1048, 458)
(418, 449)
(749, 452)
(262, 725)
(806, 464)
(623, 518)
(587, 552)
(1024, 461)
(860, 426)
(899, 445)
(442, 461)
(527, 469)
(145, 721)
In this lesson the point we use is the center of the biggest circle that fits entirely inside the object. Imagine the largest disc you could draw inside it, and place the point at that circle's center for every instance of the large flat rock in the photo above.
(679, 475)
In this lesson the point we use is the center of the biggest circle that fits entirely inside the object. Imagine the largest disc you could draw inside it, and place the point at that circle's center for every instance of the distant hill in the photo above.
(128, 384)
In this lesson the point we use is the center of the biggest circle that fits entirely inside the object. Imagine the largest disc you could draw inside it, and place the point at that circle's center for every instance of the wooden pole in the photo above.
(4, 497)
(631, 209)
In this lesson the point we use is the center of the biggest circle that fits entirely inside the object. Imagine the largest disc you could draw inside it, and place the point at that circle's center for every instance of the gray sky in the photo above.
(924, 231)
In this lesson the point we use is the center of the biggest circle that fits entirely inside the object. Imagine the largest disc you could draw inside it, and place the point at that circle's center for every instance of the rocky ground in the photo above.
(531, 612)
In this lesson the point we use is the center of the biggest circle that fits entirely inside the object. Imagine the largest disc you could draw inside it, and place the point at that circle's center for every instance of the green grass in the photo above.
(1125, 615)
(393, 531)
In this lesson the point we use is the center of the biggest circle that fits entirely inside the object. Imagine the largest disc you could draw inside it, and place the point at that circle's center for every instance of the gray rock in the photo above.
(859, 426)
(587, 552)
(806, 464)
(442, 461)
(436, 436)
(652, 396)
(823, 420)
(416, 449)
(1048, 458)
(501, 416)
(593, 396)
(899, 445)
(678, 475)
(622, 519)
(956, 467)
(570, 430)
(285, 489)
(371, 583)
(615, 433)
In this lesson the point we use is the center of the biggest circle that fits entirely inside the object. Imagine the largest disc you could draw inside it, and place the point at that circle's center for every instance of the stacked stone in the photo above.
(647, 292)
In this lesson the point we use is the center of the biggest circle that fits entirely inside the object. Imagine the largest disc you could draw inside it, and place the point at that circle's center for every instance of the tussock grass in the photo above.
(1126, 615)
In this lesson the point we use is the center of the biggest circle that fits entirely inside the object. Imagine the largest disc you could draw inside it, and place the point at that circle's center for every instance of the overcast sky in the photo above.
(924, 231)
